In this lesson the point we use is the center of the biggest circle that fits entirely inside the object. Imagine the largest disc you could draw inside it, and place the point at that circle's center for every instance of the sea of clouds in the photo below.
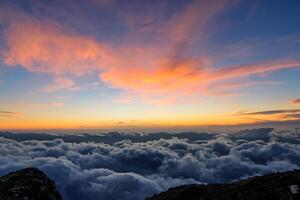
(135, 166)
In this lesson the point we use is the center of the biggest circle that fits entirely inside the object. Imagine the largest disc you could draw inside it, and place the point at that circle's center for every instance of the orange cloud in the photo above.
(45, 47)
(185, 78)
(296, 101)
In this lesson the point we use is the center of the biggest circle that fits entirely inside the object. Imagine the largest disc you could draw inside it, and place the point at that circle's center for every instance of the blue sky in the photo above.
(118, 64)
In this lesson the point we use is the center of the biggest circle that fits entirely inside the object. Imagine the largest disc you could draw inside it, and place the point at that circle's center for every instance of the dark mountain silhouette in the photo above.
(28, 184)
(277, 186)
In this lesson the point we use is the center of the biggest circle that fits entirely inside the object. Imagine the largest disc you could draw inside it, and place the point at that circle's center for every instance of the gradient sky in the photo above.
(117, 64)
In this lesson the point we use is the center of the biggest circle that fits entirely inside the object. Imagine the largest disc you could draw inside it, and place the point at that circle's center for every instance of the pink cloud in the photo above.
(193, 21)
(45, 47)
(60, 83)
(55, 104)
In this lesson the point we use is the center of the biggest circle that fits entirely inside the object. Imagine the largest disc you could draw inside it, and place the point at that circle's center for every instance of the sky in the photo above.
(108, 64)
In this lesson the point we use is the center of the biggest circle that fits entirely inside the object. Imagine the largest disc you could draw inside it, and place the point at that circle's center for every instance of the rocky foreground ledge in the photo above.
(278, 186)
(28, 184)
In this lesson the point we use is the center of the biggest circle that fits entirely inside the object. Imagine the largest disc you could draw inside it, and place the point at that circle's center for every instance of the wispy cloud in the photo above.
(8, 114)
(163, 70)
(54, 104)
(231, 88)
(60, 83)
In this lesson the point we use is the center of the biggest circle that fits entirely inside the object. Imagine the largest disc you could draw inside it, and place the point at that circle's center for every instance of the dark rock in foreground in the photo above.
(278, 186)
(28, 184)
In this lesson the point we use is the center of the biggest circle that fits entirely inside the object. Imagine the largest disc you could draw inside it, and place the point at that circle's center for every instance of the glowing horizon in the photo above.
(115, 64)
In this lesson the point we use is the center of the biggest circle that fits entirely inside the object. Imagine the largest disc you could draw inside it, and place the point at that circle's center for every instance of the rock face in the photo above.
(278, 186)
(28, 184)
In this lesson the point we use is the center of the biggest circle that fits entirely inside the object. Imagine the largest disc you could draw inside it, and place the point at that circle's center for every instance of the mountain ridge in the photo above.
(275, 186)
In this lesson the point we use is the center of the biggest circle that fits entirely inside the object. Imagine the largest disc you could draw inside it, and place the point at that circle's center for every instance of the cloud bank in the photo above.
(132, 169)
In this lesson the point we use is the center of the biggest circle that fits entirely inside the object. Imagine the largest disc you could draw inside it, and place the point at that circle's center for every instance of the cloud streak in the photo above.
(273, 116)
(8, 114)
(270, 112)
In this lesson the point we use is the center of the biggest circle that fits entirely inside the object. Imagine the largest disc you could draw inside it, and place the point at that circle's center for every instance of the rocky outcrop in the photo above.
(28, 184)
(278, 186)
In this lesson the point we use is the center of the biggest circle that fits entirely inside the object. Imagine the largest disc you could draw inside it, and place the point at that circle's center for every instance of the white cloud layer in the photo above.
(134, 170)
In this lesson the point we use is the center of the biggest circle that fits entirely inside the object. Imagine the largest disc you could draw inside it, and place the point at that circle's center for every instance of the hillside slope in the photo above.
(277, 186)
(28, 184)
